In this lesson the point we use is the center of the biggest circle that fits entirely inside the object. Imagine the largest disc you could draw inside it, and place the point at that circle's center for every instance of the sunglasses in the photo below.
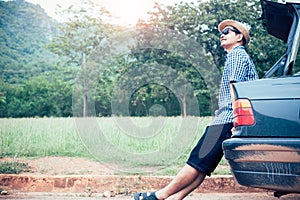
(226, 31)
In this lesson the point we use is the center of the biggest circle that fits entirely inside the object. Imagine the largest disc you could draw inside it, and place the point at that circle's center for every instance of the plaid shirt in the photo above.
(238, 68)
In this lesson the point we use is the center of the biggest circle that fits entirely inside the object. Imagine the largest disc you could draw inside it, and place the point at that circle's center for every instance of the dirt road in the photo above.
(210, 196)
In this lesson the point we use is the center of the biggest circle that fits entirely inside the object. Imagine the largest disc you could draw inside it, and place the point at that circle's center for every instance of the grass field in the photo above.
(160, 141)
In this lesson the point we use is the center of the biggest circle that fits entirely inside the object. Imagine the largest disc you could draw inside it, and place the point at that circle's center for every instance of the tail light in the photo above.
(243, 113)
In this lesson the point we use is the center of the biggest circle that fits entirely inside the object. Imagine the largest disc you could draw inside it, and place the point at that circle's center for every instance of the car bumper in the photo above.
(270, 163)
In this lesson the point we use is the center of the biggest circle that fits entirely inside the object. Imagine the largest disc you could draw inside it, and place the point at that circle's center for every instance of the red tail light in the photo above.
(243, 113)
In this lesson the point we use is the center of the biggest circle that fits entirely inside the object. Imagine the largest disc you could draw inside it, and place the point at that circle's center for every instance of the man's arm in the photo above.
(232, 100)
(232, 92)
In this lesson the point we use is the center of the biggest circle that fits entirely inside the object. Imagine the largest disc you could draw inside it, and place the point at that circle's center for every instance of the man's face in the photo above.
(230, 37)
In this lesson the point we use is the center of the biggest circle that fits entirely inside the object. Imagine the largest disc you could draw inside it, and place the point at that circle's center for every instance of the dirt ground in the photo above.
(64, 166)
(210, 196)
(82, 166)
(76, 166)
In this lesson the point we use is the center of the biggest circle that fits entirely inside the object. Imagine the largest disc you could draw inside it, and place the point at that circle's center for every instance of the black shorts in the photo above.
(207, 154)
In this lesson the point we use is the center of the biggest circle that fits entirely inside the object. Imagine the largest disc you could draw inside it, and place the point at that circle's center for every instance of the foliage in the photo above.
(37, 97)
(78, 36)
(25, 29)
(33, 83)
(40, 81)
(179, 81)
(13, 167)
(200, 21)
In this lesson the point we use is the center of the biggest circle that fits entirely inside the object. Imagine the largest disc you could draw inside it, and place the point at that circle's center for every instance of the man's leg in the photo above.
(187, 179)
(204, 158)
(187, 190)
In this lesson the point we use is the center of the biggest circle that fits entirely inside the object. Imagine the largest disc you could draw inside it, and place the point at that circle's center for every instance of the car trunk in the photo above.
(278, 107)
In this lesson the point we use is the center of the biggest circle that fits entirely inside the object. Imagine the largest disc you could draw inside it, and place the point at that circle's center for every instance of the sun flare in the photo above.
(124, 12)
(128, 12)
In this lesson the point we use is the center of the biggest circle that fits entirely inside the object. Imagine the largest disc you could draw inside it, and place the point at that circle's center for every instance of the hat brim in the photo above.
(239, 26)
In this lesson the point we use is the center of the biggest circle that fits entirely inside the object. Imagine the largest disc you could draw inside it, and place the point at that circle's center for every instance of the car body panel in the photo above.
(272, 163)
(273, 88)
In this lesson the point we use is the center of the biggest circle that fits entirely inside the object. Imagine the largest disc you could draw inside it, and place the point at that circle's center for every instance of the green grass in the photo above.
(38, 137)
(133, 143)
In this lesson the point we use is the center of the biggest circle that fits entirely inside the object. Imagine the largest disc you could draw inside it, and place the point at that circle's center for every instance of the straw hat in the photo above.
(238, 25)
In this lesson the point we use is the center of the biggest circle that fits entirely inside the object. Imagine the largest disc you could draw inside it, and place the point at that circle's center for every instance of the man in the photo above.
(206, 155)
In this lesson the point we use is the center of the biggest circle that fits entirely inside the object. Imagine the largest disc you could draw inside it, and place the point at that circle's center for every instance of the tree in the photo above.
(200, 22)
(79, 35)
(38, 97)
(2, 99)
(153, 66)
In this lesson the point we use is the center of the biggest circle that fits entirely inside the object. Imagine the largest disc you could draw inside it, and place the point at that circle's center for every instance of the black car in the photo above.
(264, 151)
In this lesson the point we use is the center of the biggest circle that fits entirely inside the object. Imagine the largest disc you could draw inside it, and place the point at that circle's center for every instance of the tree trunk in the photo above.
(85, 86)
(183, 101)
(85, 104)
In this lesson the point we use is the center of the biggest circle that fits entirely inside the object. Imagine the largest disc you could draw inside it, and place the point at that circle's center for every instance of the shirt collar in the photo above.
(235, 48)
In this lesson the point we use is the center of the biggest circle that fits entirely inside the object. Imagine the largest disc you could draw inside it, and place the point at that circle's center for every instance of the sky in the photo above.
(126, 12)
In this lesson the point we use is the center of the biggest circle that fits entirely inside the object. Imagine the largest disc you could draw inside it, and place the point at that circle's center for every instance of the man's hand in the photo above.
(233, 130)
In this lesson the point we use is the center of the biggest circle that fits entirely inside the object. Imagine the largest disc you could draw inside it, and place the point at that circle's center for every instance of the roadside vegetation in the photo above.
(41, 137)
(13, 167)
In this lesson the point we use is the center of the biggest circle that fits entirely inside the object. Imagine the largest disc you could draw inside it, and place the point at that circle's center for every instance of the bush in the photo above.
(13, 167)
